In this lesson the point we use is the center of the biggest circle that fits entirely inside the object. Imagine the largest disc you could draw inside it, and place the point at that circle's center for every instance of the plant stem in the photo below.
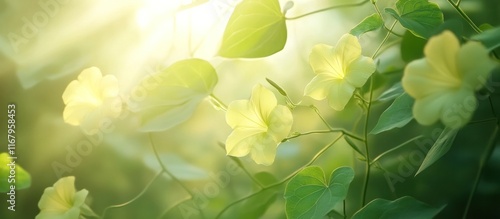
(367, 151)
(284, 180)
(321, 117)
(327, 9)
(484, 158)
(164, 168)
(464, 15)
(240, 164)
(218, 102)
(133, 199)
(344, 132)
(384, 40)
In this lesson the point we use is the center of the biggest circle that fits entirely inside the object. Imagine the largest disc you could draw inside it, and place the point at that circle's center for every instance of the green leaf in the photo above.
(405, 207)
(21, 179)
(309, 195)
(390, 94)
(171, 96)
(256, 29)
(368, 24)
(412, 47)
(440, 148)
(490, 38)
(421, 17)
(397, 115)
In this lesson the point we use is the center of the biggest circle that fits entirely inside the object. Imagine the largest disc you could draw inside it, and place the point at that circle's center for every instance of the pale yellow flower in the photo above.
(259, 125)
(62, 201)
(443, 83)
(340, 70)
(91, 99)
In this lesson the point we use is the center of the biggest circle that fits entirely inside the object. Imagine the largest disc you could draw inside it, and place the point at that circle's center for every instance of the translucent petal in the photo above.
(347, 51)
(459, 108)
(264, 150)
(475, 64)
(442, 105)
(280, 123)
(92, 75)
(52, 201)
(441, 53)
(241, 113)
(427, 110)
(359, 71)
(263, 101)
(323, 60)
(420, 80)
(75, 112)
(340, 94)
(319, 87)
(240, 141)
(71, 91)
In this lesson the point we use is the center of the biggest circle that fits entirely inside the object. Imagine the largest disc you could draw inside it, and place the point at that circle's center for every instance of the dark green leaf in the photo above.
(308, 194)
(397, 115)
(419, 16)
(256, 29)
(412, 47)
(440, 148)
(490, 38)
(368, 24)
(405, 207)
(390, 94)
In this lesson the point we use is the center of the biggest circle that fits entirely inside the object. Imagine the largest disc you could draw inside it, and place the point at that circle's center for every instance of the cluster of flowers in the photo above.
(444, 78)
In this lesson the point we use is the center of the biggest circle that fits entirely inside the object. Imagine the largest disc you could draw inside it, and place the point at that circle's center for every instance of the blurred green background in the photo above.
(130, 39)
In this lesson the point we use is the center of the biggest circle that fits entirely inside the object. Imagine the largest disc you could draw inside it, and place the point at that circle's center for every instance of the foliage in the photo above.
(444, 86)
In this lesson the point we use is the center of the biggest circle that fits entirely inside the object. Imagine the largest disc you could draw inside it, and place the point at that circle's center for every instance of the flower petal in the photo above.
(280, 123)
(347, 51)
(441, 54)
(428, 110)
(240, 113)
(459, 108)
(474, 64)
(75, 112)
(420, 80)
(240, 141)
(319, 87)
(340, 94)
(323, 60)
(263, 101)
(264, 150)
(359, 71)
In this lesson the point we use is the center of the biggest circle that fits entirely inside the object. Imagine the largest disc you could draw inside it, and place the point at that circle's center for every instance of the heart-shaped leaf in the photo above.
(310, 195)
(368, 24)
(171, 96)
(256, 29)
(421, 17)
